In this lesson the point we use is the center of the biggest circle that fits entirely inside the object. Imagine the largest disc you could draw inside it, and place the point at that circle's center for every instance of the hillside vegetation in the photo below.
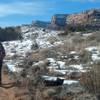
(10, 33)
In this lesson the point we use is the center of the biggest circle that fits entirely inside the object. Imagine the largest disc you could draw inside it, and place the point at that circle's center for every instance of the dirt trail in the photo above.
(7, 88)
(9, 91)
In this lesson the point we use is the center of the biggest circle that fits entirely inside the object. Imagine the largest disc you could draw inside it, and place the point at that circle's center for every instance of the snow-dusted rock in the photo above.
(92, 49)
(65, 82)
(61, 64)
(96, 57)
(13, 68)
(70, 82)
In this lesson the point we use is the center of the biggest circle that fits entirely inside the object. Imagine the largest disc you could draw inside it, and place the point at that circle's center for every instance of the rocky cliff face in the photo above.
(58, 21)
(89, 17)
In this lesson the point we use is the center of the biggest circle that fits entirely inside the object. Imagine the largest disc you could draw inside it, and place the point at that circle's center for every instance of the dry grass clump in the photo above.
(67, 47)
(95, 36)
(52, 39)
(91, 80)
(30, 82)
(41, 55)
(47, 53)
(35, 56)
(85, 96)
(77, 39)
(85, 56)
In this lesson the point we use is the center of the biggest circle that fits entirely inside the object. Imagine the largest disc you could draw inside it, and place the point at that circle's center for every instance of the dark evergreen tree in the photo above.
(10, 33)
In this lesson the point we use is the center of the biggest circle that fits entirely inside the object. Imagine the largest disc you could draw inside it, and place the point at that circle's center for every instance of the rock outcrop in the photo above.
(88, 18)
(58, 21)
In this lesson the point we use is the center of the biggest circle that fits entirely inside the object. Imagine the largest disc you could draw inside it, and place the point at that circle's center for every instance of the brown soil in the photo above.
(9, 91)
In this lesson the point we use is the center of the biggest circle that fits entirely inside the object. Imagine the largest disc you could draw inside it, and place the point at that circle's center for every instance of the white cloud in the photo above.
(94, 0)
(84, 0)
(30, 8)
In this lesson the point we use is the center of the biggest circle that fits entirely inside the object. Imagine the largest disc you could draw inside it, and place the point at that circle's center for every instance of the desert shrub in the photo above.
(95, 36)
(47, 53)
(79, 28)
(34, 46)
(85, 56)
(78, 39)
(85, 96)
(75, 28)
(70, 28)
(35, 56)
(30, 80)
(91, 38)
(44, 53)
(52, 39)
(91, 80)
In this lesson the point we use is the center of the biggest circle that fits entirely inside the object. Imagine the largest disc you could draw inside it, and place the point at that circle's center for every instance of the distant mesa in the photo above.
(88, 18)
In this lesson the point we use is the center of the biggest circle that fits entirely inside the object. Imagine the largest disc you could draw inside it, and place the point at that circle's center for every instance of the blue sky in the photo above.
(17, 12)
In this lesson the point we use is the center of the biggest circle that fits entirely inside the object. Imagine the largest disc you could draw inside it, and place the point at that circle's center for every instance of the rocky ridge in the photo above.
(89, 17)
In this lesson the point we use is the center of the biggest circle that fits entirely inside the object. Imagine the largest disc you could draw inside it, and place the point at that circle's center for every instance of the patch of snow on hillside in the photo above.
(17, 47)
(95, 53)
(70, 82)
(13, 68)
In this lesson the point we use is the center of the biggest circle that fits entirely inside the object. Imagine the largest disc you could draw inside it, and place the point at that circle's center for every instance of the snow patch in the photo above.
(13, 68)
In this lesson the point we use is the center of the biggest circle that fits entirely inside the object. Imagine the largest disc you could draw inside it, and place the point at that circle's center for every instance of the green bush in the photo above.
(75, 28)
(10, 33)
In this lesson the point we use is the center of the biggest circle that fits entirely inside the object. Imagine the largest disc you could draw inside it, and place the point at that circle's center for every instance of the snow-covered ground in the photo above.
(13, 68)
(95, 53)
(17, 47)
(31, 35)
(61, 67)
(65, 82)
